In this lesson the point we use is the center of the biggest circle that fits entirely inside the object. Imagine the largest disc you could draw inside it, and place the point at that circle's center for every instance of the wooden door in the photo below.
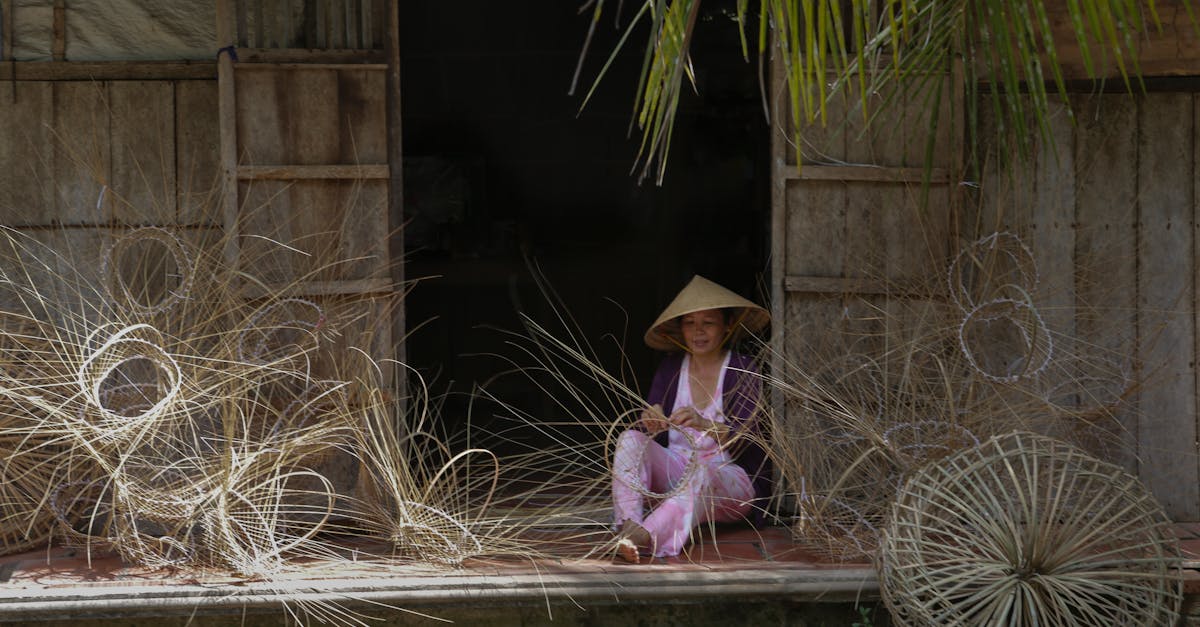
(856, 252)
(310, 158)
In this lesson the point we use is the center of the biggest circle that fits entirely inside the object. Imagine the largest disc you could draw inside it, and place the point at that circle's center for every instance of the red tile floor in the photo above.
(739, 560)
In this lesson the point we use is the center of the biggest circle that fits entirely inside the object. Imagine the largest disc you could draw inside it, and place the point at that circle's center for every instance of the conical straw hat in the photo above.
(698, 295)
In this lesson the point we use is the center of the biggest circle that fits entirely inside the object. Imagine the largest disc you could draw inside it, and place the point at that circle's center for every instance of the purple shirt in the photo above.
(740, 404)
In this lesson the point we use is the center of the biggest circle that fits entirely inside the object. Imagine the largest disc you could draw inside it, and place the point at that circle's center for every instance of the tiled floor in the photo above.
(733, 548)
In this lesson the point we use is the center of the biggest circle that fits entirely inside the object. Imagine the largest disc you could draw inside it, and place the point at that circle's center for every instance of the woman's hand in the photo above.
(689, 417)
(653, 420)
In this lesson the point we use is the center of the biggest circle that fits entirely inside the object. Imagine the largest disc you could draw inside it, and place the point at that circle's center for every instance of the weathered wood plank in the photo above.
(6, 14)
(1167, 403)
(1105, 243)
(301, 172)
(59, 47)
(82, 163)
(197, 151)
(864, 172)
(27, 151)
(1051, 233)
(1195, 420)
(268, 66)
(109, 70)
(356, 287)
(228, 122)
(393, 121)
(318, 211)
(823, 141)
(142, 125)
(862, 239)
(312, 96)
(324, 55)
(261, 122)
(815, 234)
(856, 285)
(362, 105)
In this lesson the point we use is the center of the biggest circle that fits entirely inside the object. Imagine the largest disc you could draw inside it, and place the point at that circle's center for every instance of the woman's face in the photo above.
(704, 331)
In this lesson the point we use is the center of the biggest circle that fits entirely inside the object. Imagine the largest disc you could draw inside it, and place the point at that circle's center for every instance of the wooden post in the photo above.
(395, 184)
(60, 30)
(227, 96)
(6, 21)
(779, 179)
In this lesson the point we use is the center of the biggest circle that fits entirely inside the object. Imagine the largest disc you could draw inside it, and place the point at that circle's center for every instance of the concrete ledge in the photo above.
(411, 591)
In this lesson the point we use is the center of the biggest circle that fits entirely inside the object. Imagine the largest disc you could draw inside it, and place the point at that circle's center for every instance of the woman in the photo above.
(693, 457)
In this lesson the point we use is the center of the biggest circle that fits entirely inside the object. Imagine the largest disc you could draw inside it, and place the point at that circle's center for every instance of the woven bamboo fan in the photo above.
(1027, 530)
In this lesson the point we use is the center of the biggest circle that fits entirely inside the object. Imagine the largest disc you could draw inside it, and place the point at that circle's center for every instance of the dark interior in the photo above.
(503, 172)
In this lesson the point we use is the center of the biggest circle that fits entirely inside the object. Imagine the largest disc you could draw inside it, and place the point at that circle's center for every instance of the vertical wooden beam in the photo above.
(1195, 354)
(6, 22)
(1105, 246)
(227, 98)
(1165, 190)
(779, 167)
(395, 185)
(1051, 235)
(59, 51)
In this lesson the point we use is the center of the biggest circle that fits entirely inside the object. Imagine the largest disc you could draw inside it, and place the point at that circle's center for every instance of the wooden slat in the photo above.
(814, 172)
(108, 70)
(393, 122)
(1167, 403)
(6, 32)
(293, 172)
(198, 150)
(142, 124)
(362, 101)
(1195, 274)
(853, 285)
(82, 162)
(377, 67)
(228, 119)
(1105, 241)
(59, 47)
(27, 153)
(321, 288)
(1051, 234)
(259, 123)
(324, 55)
(862, 238)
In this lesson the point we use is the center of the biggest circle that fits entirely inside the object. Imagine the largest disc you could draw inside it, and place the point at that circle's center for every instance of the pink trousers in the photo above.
(716, 490)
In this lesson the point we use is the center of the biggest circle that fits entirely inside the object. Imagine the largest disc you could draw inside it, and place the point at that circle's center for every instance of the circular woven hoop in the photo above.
(264, 339)
(1023, 530)
(122, 292)
(994, 266)
(1006, 340)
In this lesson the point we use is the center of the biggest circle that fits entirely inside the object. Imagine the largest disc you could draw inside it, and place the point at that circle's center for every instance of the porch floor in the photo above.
(737, 565)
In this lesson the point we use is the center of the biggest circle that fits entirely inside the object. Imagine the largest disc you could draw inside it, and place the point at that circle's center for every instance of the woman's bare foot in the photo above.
(634, 539)
(628, 551)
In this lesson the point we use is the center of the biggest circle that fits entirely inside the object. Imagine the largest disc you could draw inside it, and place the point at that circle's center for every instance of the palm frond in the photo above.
(858, 48)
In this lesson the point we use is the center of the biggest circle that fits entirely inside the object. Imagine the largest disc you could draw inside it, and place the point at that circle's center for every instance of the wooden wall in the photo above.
(153, 144)
(850, 234)
(1109, 211)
